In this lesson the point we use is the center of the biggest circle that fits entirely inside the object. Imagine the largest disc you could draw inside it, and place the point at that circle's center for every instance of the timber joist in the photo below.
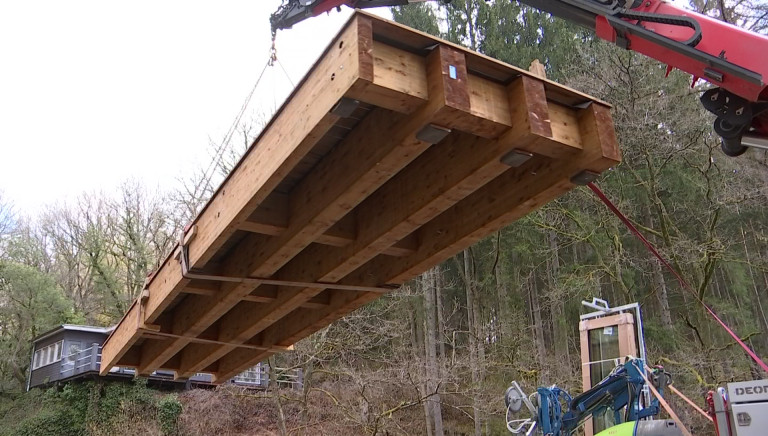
(396, 151)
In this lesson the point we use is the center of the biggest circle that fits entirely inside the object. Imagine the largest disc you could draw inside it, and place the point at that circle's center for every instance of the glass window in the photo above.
(604, 353)
(47, 355)
(74, 349)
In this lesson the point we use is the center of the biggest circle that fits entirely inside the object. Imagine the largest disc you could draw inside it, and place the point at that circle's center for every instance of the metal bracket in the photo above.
(516, 158)
(584, 177)
(432, 133)
(345, 107)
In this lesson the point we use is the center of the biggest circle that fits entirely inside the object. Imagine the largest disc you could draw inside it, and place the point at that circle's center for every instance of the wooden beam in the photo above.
(399, 78)
(490, 208)
(264, 294)
(383, 143)
(462, 164)
(280, 147)
(273, 221)
(239, 326)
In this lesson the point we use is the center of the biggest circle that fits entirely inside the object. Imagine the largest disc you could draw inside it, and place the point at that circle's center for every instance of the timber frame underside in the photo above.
(395, 152)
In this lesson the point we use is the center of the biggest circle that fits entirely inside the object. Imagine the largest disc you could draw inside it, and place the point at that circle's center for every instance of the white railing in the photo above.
(89, 360)
(255, 376)
(258, 376)
(81, 361)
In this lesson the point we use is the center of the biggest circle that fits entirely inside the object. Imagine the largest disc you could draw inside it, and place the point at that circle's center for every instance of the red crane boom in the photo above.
(730, 58)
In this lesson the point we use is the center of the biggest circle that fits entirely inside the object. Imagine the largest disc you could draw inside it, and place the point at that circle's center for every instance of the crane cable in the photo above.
(679, 278)
(219, 154)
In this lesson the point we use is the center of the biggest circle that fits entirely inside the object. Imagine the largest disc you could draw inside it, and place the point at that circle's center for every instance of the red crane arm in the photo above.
(731, 58)
(722, 46)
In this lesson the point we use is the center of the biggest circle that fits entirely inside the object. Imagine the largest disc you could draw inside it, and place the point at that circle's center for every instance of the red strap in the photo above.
(680, 279)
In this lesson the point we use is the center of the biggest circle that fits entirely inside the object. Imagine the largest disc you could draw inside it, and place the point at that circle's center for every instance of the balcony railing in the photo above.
(258, 376)
(86, 360)
(89, 360)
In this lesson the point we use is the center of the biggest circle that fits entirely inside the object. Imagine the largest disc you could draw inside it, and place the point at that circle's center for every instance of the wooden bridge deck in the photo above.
(388, 158)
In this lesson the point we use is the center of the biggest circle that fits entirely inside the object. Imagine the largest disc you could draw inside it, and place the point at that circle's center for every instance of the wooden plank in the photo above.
(169, 281)
(195, 314)
(485, 211)
(122, 338)
(280, 147)
(319, 206)
(383, 143)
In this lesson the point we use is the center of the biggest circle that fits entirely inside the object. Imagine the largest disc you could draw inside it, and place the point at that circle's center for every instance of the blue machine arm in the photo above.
(620, 390)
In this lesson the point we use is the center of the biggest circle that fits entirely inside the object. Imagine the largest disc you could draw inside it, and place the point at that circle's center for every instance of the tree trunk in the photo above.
(278, 403)
(429, 283)
(475, 345)
(559, 323)
(502, 293)
(659, 283)
(439, 285)
(417, 348)
(538, 328)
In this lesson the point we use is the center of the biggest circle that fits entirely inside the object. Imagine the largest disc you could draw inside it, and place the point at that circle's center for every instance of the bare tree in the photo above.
(7, 220)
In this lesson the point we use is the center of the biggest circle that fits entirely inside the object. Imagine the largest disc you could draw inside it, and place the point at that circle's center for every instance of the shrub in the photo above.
(51, 422)
(168, 413)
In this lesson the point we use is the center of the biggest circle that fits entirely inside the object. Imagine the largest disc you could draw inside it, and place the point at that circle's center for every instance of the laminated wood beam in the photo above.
(383, 143)
(476, 216)
(264, 294)
(280, 147)
(241, 324)
(273, 221)
(462, 164)
(458, 167)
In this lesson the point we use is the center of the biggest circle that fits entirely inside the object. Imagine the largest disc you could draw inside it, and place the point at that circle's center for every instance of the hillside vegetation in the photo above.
(436, 356)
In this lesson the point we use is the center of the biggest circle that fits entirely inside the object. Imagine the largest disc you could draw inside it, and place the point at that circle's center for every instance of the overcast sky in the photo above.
(96, 92)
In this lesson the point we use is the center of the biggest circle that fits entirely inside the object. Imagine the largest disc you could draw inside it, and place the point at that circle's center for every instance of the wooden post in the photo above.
(94, 365)
(538, 69)
(625, 325)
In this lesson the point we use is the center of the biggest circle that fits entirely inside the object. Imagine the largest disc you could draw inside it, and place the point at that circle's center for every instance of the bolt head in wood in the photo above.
(516, 158)
(432, 134)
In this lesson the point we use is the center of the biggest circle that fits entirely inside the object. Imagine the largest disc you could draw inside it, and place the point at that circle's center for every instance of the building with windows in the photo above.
(73, 352)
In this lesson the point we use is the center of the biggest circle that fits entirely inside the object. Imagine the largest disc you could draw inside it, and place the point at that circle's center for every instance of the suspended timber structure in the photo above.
(395, 152)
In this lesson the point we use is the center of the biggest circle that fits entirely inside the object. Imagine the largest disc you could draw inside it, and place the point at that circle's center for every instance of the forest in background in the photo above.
(436, 356)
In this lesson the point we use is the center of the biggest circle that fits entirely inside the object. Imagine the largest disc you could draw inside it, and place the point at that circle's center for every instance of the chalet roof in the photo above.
(74, 327)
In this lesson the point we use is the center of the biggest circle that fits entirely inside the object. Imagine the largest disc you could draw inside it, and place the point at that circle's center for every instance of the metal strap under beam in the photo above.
(150, 333)
(290, 283)
(183, 255)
